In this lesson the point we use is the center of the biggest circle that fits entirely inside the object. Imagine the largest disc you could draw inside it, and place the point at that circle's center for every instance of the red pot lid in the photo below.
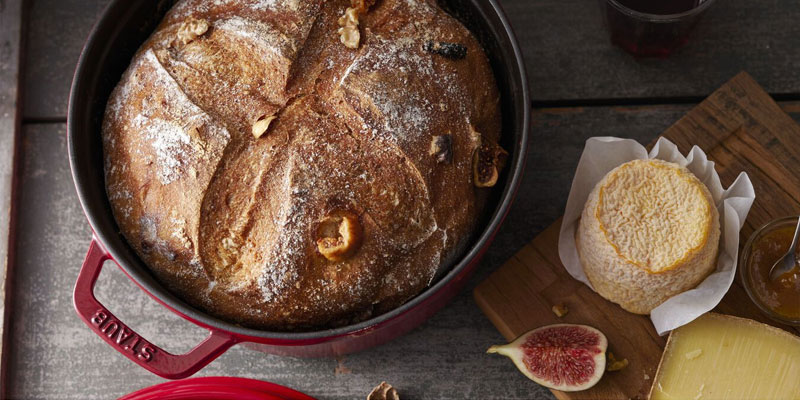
(217, 388)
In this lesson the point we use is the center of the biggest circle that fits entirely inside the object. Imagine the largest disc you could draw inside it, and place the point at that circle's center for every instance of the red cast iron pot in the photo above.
(123, 27)
(217, 388)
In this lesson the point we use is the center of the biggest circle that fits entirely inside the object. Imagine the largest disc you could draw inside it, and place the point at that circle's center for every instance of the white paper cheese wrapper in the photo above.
(603, 154)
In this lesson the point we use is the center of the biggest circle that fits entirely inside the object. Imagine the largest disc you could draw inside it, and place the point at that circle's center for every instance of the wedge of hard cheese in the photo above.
(723, 357)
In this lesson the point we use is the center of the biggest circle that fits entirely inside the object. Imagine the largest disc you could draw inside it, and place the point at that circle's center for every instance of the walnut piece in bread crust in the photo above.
(348, 31)
(191, 29)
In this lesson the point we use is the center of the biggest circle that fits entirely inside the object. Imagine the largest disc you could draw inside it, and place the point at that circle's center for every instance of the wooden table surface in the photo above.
(581, 87)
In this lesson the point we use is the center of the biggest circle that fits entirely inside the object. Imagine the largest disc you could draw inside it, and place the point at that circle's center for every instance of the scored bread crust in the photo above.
(663, 243)
(230, 222)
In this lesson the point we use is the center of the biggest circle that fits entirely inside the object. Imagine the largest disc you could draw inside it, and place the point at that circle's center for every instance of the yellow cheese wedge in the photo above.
(723, 357)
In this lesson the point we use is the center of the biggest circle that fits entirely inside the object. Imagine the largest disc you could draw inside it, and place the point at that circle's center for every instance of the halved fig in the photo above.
(563, 357)
(487, 162)
(339, 235)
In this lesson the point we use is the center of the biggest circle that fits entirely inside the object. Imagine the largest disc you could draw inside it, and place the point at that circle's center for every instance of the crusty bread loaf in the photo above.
(278, 179)
(649, 231)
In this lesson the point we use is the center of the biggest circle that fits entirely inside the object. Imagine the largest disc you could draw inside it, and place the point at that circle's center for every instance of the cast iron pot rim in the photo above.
(182, 308)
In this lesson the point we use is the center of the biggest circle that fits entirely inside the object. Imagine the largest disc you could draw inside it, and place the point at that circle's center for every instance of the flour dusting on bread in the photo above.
(243, 217)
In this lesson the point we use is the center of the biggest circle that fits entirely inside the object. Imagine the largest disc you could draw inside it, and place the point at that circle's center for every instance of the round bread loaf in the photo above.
(301, 164)
(649, 231)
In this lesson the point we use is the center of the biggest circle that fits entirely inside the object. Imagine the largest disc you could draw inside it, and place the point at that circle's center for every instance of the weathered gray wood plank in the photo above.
(57, 30)
(55, 356)
(564, 41)
(11, 15)
(569, 56)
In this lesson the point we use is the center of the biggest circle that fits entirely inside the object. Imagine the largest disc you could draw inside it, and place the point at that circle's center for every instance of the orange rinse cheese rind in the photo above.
(648, 232)
(654, 232)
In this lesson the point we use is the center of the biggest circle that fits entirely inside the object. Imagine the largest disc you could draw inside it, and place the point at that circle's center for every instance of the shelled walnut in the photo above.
(384, 391)
(191, 29)
(348, 31)
(348, 23)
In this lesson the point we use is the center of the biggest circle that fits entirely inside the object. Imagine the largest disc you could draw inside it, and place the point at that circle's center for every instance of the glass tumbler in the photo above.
(656, 33)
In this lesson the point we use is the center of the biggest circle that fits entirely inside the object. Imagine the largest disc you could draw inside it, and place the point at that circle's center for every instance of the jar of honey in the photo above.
(779, 299)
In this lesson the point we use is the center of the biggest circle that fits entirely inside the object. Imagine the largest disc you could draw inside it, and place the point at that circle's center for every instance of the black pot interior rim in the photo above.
(198, 317)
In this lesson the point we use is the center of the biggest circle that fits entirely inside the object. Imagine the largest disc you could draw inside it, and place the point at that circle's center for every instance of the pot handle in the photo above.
(131, 344)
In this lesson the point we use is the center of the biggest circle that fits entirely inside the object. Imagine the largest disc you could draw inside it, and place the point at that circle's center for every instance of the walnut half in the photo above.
(384, 391)
(191, 29)
(348, 33)
(339, 235)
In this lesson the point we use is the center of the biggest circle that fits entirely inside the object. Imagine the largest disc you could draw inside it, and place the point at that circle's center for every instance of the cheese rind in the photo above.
(649, 230)
(723, 357)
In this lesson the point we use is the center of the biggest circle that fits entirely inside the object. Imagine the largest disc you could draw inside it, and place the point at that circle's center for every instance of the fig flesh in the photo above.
(563, 357)
(487, 161)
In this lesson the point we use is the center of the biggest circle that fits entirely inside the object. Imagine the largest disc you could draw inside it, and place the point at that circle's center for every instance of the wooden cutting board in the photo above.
(742, 129)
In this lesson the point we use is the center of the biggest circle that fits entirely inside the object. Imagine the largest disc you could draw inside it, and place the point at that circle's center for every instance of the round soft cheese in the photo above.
(648, 231)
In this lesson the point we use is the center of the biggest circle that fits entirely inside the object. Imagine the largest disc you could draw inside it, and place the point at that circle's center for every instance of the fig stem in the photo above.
(494, 349)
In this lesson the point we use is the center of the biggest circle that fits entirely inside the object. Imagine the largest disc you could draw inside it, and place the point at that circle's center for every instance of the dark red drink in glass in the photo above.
(652, 28)
(660, 7)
